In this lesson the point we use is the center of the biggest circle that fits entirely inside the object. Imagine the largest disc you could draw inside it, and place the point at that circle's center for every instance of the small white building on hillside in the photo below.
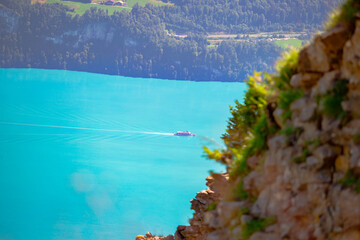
(112, 3)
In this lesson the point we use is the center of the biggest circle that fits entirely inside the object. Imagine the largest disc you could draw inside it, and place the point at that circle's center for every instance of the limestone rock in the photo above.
(255, 182)
(335, 38)
(326, 153)
(355, 158)
(228, 210)
(253, 162)
(305, 108)
(314, 58)
(314, 163)
(305, 197)
(149, 236)
(308, 111)
(348, 235)
(271, 201)
(325, 83)
(351, 55)
(342, 163)
(329, 124)
(178, 233)
(277, 142)
(263, 236)
(278, 117)
(304, 80)
(352, 105)
(353, 90)
(218, 182)
(346, 208)
(311, 132)
(168, 237)
(236, 232)
(352, 128)
(206, 196)
(211, 219)
(217, 235)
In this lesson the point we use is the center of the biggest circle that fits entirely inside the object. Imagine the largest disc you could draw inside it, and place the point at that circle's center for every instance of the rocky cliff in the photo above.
(293, 149)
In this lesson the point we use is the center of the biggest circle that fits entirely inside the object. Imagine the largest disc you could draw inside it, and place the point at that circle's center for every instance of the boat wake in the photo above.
(84, 128)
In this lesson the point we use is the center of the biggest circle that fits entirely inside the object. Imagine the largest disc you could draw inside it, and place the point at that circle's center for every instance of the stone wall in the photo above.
(307, 183)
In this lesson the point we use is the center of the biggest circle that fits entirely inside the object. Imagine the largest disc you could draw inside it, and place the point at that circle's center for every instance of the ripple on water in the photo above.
(93, 156)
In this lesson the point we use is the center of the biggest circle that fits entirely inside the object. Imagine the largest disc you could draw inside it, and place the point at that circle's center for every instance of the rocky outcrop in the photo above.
(149, 236)
(305, 183)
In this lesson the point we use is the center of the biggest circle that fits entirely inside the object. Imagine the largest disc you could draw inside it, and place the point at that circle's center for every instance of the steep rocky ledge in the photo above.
(293, 152)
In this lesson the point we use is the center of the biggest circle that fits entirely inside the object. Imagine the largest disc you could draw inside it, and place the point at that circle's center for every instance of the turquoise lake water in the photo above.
(89, 156)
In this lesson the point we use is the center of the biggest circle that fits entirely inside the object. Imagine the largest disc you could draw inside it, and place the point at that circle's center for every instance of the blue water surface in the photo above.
(90, 156)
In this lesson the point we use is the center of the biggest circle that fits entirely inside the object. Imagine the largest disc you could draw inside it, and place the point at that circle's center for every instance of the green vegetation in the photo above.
(314, 143)
(212, 206)
(351, 180)
(304, 155)
(292, 134)
(215, 154)
(297, 43)
(286, 98)
(286, 68)
(245, 17)
(125, 43)
(245, 115)
(288, 131)
(256, 225)
(346, 14)
(289, 96)
(261, 131)
(356, 138)
(81, 8)
(331, 101)
(136, 42)
(250, 124)
(244, 211)
(240, 193)
(131, 3)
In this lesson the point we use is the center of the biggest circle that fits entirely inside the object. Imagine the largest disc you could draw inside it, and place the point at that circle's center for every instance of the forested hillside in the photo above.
(244, 16)
(138, 43)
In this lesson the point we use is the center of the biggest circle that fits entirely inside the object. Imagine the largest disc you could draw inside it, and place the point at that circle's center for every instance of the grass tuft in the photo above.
(331, 101)
(244, 211)
(304, 155)
(351, 180)
(288, 131)
(239, 192)
(256, 225)
(346, 14)
(286, 98)
(212, 206)
(286, 68)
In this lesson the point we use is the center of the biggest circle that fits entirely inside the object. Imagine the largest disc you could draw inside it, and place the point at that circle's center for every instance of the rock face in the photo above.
(149, 236)
(306, 185)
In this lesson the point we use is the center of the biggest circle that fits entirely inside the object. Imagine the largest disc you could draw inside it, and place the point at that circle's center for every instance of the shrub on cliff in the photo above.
(299, 110)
